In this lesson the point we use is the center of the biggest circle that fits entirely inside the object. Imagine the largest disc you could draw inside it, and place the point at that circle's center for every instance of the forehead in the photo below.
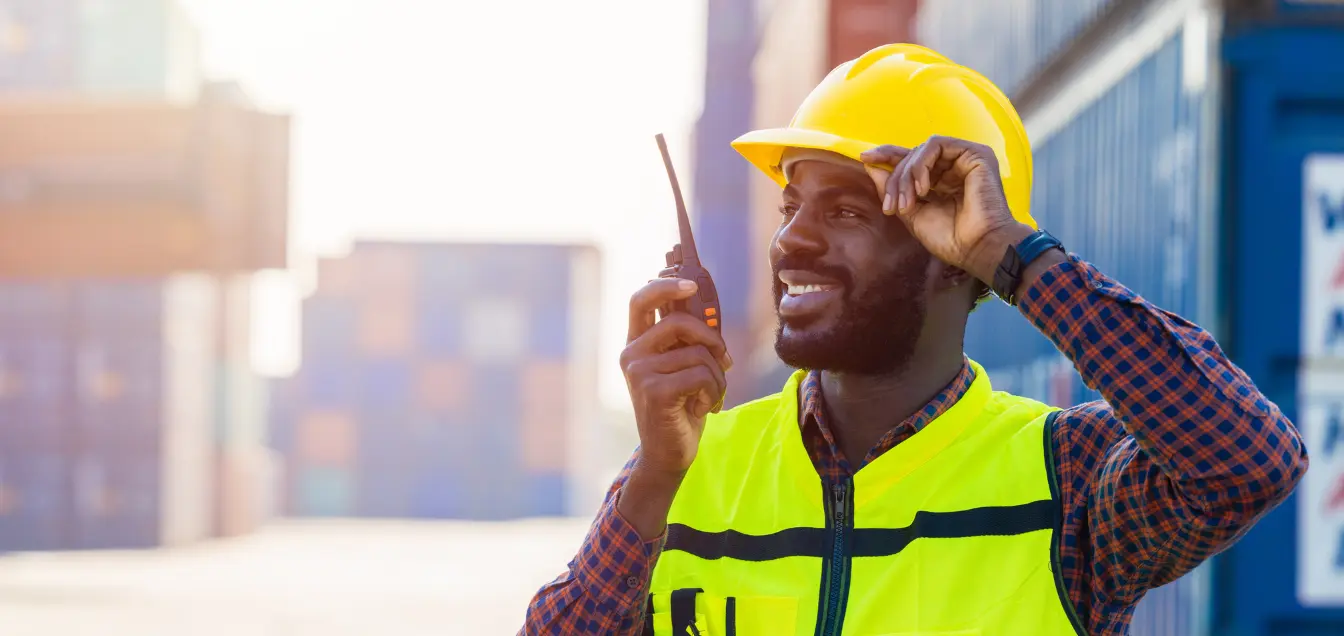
(812, 177)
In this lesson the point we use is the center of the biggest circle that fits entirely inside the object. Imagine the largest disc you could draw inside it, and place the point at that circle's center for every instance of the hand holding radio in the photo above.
(675, 358)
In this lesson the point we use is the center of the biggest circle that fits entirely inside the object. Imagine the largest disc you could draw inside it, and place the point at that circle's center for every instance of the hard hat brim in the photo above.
(765, 148)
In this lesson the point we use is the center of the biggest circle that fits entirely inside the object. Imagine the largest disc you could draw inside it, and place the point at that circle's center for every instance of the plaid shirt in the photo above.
(1181, 458)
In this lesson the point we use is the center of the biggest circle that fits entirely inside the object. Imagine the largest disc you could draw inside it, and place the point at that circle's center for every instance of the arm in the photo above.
(1184, 456)
(674, 368)
(593, 596)
(1202, 455)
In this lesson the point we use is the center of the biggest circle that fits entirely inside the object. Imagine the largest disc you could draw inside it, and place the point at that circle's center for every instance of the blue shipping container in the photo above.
(1286, 577)
(1008, 41)
(1185, 176)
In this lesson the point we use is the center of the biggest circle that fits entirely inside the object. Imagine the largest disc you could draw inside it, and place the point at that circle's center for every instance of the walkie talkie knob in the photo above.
(670, 259)
(676, 253)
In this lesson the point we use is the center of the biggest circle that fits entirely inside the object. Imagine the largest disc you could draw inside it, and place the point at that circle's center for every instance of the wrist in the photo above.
(646, 498)
(984, 261)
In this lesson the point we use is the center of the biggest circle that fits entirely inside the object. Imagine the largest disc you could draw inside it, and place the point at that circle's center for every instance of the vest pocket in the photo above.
(692, 612)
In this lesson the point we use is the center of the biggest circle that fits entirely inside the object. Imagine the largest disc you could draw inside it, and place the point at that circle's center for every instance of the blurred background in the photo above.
(310, 310)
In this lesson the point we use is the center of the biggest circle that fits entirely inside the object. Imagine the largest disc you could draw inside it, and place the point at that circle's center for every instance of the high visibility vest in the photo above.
(952, 532)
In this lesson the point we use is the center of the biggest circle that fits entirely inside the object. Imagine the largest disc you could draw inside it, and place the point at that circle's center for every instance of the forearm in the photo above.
(1228, 452)
(605, 588)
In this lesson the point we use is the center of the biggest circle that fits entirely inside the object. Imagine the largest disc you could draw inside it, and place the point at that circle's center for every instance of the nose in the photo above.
(800, 233)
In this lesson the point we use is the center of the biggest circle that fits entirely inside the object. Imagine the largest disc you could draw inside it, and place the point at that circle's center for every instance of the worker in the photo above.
(888, 488)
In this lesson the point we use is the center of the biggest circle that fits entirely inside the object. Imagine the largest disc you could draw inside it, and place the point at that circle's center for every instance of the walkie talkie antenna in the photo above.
(688, 253)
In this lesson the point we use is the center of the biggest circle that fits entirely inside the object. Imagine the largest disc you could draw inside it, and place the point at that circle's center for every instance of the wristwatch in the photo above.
(1009, 275)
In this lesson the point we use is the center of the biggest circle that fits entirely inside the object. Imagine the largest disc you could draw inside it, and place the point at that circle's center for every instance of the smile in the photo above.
(799, 290)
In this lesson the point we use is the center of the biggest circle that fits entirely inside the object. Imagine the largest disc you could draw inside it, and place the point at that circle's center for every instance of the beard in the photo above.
(877, 328)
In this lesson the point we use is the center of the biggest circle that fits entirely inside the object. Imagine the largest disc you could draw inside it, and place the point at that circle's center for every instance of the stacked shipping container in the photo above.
(129, 415)
(444, 381)
(105, 413)
(1174, 145)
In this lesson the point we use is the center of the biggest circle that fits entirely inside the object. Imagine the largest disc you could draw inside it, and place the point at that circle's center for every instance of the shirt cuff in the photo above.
(615, 563)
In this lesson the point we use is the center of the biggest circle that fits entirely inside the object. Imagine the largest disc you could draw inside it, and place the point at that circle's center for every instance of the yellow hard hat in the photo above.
(902, 94)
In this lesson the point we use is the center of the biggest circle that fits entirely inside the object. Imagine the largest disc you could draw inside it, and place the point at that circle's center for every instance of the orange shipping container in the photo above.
(545, 395)
(327, 438)
(128, 187)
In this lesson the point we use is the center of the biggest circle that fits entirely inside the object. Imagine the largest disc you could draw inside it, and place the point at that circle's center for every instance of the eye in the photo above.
(846, 213)
(788, 209)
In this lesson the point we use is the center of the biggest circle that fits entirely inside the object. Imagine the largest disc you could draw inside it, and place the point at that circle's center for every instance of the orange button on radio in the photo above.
(710, 311)
(713, 322)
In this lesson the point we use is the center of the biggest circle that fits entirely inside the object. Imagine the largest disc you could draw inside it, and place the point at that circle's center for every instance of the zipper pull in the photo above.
(839, 508)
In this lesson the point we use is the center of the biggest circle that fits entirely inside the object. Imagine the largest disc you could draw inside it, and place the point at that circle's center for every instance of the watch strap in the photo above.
(1008, 277)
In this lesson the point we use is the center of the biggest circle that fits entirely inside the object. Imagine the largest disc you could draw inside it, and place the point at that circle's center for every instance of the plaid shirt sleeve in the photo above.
(1181, 459)
(605, 588)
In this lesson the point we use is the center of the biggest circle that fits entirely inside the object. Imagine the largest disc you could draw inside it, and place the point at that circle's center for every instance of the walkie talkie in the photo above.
(684, 262)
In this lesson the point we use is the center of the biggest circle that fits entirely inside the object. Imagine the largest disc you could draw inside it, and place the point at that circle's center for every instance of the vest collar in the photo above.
(895, 464)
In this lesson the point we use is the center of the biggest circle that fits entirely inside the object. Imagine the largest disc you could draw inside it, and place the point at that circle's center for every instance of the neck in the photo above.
(861, 408)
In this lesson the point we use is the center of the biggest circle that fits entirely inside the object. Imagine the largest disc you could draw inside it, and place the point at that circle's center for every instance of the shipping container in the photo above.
(137, 47)
(106, 417)
(427, 366)
(720, 207)
(39, 42)
(1197, 156)
(146, 48)
(1011, 41)
(128, 187)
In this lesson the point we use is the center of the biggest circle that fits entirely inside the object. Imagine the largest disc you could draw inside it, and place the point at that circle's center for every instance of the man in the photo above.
(887, 489)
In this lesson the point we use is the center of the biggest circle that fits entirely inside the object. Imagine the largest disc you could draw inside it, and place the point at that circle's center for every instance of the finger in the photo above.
(916, 174)
(900, 185)
(698, 386)
(647, 299)
(685, 358)
(879, 177)
(680, 330)
(886, 156)
(960, 157)
(943, 178)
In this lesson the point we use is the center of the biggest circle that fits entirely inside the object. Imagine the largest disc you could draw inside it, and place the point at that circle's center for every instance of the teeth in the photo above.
(796, 290)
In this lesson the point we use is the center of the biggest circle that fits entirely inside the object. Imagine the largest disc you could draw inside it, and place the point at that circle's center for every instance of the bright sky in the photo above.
(530, 119)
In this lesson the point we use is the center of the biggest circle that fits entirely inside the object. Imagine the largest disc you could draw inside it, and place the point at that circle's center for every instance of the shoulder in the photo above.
(1084, 434)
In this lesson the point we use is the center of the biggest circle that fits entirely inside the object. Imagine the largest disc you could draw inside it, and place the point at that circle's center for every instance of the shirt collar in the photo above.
(810, 399)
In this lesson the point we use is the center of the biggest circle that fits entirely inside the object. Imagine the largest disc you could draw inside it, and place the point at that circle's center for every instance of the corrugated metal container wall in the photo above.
(426, 366)
(1119, 183)
(1006, 40)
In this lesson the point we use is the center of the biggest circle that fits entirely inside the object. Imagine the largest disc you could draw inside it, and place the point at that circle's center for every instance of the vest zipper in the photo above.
(837, 586)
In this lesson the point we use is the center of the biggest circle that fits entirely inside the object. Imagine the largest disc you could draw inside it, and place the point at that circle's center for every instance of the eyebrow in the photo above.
(828, 192)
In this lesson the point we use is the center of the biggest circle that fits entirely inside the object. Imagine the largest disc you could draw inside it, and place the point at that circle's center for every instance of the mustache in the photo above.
(807, 263)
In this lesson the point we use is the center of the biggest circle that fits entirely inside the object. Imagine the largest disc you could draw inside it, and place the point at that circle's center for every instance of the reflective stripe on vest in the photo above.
(952, 532)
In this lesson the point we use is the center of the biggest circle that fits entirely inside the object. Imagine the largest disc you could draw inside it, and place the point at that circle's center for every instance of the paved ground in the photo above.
(295, 579)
